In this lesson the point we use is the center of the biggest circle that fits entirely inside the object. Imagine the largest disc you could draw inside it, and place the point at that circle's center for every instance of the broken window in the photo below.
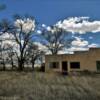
(54, 64)
(75, 65)
(98, 65)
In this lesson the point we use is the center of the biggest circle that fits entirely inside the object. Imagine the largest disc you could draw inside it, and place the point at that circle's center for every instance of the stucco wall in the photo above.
(87, 60)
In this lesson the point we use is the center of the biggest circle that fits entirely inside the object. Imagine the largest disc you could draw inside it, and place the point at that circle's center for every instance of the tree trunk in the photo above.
(21, 64)
(33, 62)
(4, 67)
(12, 63)
(33, 65)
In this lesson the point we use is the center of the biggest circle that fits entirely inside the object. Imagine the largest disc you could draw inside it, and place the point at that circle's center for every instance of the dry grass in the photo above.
(44, 86)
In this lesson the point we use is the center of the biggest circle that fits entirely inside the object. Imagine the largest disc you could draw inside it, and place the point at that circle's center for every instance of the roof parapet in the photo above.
(94, 48)
(78, 52)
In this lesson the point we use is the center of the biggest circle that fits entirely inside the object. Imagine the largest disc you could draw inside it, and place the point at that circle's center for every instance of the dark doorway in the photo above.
(64, 67)
(98, 65)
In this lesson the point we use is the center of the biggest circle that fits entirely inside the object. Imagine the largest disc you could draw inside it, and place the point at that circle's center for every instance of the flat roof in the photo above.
(75, 52)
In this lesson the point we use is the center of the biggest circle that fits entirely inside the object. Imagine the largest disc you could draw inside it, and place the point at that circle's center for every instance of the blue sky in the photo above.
(50, 11)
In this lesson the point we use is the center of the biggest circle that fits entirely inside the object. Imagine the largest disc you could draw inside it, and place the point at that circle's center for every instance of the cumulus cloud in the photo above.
(48, 28)
(43, 25)
(79, 25)
(39, 31)
(93, 45)
(82, 48)
(41, 47)
(72, 49)
(78, 42)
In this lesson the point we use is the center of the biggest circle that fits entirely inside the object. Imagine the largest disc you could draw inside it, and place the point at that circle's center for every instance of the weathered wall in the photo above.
(87, 60)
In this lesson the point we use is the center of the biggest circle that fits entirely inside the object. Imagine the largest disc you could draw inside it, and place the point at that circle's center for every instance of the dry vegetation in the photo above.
(44, 86)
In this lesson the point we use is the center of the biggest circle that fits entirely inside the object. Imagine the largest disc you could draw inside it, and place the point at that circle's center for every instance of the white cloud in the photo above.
(41, 47)
(79, 42)
(78, 49)
(48, 28)
(93, 45)
(39, 31)
(43, 25)
(79, 25)
(80, 46)
(66, 51)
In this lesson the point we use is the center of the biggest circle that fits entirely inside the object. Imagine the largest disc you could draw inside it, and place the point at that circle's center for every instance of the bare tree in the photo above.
(22, 30)
(5, 28)
(3, 59)
(34, 53)
(3, 55)
(11, 55)
(55, 39)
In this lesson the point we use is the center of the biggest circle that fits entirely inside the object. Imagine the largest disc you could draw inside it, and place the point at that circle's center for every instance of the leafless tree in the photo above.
(34, 53)
(22, 30)
(1, 53)
(5, 27)
(55, 39)
(11, 55)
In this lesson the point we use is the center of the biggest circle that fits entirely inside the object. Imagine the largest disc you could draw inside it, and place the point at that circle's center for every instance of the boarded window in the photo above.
(54, 64)
(75, 65)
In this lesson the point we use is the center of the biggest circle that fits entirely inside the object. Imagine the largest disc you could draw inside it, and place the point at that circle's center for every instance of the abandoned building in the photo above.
(79, 61)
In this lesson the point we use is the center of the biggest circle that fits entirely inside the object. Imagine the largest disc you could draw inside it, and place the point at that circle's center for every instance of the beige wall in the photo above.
(87, 60)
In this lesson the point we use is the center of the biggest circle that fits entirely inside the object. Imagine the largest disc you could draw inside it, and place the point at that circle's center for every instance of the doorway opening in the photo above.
(64, 67)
